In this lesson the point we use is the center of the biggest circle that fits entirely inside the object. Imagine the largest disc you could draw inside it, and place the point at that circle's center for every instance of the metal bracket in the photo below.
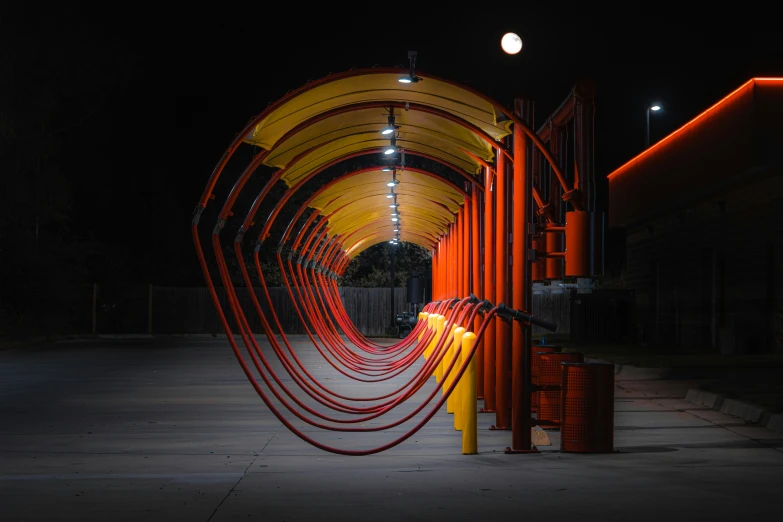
(218, 227)
(240, 235)
(197, 215)
(258, 245)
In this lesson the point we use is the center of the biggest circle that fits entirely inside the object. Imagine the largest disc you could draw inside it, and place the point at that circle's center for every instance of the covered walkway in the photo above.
(491, 235)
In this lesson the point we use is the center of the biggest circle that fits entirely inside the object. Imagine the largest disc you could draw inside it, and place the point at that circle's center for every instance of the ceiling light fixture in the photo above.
(392, 148)
(390, 126)
(410, 78)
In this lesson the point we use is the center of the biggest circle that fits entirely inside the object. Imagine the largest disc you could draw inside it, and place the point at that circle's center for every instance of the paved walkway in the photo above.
(170, 429)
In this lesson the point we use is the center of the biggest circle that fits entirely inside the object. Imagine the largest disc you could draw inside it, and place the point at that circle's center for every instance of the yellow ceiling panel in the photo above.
(358, 203)
(345, 145)
(376, 86)
(412, 124)
(380, 237)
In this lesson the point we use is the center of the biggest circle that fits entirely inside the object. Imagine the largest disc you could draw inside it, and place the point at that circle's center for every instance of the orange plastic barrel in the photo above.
(538, 349)
(549, 374)
(588, 408)
(554, 265)
(583, 244)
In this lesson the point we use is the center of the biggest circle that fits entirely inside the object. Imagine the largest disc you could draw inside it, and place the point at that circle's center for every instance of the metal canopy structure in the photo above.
(391, 113)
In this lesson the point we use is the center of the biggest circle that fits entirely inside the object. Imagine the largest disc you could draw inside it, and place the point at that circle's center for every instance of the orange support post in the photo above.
(442, 264)
(521, 295)
(434, 279)
(466, 248)
(460, 226)
(452, 275)
(455, 260)
(502, 376)
(446, 263)
(450, 263)
(477, 286)
(489, 290)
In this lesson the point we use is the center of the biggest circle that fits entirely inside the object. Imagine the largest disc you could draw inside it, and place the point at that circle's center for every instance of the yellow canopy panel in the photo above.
(376, 86)
(414, 221)
(341, 147)
(381, 235)
(411, 181)
(425, 202)
(413, 125)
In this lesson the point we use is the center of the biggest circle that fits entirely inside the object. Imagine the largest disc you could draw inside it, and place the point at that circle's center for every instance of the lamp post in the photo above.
(652, 108)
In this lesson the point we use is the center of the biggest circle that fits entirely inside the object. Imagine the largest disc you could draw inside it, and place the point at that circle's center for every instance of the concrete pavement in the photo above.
(170, 429)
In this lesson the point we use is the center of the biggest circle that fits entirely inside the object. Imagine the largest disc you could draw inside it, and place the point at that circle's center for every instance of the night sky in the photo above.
(155, 97)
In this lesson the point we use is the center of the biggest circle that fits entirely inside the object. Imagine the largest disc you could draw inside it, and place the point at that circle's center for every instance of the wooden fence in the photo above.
(191, 310)
(181, 310)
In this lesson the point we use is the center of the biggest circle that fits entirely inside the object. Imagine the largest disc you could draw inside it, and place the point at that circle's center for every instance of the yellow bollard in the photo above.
(468, 398)
(431, 325)
(423, 316)
(447, 378)
(452, 403)
(440, 331)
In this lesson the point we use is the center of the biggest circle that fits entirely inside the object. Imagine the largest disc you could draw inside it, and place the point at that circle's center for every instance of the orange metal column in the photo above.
(446, 262)
(442, 266)
(452, 267)
(521, 270)
(460, 226)
(489, 290)
(502, 376)
(466, 249)
(434, 279)
(452, 276)
(476, 283)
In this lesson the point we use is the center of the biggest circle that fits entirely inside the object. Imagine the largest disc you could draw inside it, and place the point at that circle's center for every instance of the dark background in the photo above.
(112, 119)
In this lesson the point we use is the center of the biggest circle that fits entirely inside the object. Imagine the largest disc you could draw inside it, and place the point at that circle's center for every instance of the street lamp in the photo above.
(654, 108)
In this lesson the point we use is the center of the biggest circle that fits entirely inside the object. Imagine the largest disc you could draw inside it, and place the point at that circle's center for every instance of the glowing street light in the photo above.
(652, 108)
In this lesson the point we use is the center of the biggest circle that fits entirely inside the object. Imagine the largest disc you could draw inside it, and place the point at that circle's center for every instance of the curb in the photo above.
(704, 398)
(775, 422)
(626, 372)
(747, 411)
(744, 410)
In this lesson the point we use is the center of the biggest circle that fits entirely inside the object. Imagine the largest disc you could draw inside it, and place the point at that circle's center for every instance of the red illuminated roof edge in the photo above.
(720, 102)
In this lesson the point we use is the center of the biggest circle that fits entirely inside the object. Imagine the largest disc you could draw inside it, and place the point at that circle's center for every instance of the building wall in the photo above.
(709, 275)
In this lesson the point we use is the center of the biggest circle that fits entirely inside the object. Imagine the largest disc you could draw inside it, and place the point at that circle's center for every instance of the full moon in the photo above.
(511, 43)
